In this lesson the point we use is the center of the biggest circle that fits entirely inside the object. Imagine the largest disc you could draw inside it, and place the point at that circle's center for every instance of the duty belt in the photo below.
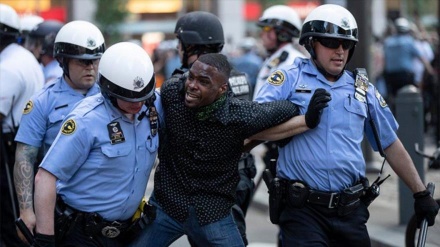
(95, 224)
(333, 200)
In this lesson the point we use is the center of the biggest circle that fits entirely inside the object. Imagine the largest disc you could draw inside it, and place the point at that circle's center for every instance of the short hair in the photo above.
(218, 61)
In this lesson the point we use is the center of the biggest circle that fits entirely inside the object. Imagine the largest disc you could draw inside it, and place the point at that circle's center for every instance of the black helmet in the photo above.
(45, 33)
(200, 28)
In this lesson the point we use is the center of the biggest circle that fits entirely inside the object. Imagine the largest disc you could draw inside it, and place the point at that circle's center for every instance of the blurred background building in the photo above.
(152, 21)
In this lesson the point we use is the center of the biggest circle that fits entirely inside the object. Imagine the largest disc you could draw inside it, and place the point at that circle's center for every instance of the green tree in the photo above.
(109, 14)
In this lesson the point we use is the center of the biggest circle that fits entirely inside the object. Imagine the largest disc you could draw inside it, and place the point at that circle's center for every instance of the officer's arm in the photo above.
(25, 157)
(45, 197)
(291, 127)
(401, 162)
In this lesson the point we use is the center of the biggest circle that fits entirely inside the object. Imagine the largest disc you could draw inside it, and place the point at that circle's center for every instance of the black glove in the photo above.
(425, 207)
(318, 102)
(42, 240)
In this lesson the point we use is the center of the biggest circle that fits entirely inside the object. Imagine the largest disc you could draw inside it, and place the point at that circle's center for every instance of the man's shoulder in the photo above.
(88, 104)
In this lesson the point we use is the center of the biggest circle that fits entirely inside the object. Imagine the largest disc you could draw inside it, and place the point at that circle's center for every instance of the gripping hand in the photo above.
(318, 102)
(425, 207)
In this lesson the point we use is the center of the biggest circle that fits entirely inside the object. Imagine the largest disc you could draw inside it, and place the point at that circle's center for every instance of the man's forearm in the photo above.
(25, 157)
(291, 127)
(45, 198)
(400, 161)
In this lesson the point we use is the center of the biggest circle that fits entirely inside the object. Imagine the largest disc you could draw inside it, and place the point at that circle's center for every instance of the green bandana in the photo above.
(206, 111)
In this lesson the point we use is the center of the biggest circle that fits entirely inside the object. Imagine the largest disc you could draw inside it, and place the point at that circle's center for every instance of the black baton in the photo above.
(23, 228)
(424, 225)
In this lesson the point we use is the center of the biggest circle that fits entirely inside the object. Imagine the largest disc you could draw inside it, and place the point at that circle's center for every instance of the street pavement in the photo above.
(383, 226)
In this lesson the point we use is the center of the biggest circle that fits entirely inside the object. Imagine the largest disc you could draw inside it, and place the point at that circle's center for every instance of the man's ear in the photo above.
(223, 88)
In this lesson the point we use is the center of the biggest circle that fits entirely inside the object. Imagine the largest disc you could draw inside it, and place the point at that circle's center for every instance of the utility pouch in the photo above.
(351, 194)
(276, 202)
(350, 199)
(346, 209)
(297, 194)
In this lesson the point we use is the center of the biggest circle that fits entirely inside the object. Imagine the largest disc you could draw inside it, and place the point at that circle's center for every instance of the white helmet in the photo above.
(329, 21)
(29, 22)
(402, 25)
(283, 19)
(127, 73)
(79, 39)
(9, 21)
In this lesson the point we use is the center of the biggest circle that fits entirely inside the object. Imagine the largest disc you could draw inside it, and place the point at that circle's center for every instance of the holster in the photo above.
(297, 194)
(65, 218)
(147, 217)
(276, 199)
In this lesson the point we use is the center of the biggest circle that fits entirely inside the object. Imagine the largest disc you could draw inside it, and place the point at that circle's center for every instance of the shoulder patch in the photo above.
(68, 127)
(381, 100)
(276, 78)
(28, 107)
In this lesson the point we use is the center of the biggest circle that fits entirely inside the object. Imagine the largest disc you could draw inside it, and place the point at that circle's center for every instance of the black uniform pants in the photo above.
(314, 226)
(77, 236)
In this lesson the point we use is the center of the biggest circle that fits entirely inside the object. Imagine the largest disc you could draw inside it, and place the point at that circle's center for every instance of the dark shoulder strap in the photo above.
(361, 90)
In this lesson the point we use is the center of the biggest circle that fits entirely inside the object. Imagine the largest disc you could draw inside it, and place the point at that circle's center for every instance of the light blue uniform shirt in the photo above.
(329, 157)
(399, 53)
(95, 175)
(45, 112)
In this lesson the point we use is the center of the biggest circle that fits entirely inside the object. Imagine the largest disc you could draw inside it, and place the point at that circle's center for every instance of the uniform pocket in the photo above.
(113, 151)
(152, 144)
(356, 113)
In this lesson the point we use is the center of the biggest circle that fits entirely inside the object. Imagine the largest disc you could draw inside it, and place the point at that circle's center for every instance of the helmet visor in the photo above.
(125, 94)
(75, 51)
(328, 29)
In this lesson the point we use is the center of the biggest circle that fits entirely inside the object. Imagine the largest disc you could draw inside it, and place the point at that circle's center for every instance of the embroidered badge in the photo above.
(68, 127)
(138, 82)
(381, 100)
(91, 42)
(28, 107)
(276, 78)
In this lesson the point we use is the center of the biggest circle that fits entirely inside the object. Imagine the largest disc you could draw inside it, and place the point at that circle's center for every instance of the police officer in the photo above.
(195, 40)
(20, 78)
(78, 47)
(101, 160)
(280, 25)
(322, 170)
(400, 51)
(40, 41)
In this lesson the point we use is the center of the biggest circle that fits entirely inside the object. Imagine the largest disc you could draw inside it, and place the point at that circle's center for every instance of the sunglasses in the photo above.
(335, 43)
(266, 28)
(86, 62)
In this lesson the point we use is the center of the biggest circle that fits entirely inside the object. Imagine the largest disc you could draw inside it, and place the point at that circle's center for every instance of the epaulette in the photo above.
(276, 61)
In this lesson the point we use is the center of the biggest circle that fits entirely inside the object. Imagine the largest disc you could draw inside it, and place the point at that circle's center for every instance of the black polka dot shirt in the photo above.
(198, 158)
